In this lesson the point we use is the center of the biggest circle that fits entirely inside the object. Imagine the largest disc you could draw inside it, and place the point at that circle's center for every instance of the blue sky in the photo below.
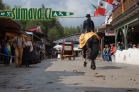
(79, 7)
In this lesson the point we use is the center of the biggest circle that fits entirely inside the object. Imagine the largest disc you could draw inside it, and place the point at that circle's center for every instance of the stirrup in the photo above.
(85, 63)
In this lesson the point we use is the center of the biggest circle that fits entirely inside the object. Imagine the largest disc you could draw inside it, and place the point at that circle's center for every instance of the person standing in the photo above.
(27, 53)
(19, 44)
(7, 54)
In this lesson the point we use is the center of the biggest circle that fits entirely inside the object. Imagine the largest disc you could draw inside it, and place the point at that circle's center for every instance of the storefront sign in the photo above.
(109, 33)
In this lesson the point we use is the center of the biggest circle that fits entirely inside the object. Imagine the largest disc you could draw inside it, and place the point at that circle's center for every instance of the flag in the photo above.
(110, 1)
(95, 12)
(102, 4)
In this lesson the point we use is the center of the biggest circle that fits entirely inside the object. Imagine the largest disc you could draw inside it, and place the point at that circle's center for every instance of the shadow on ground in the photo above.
(110, 67)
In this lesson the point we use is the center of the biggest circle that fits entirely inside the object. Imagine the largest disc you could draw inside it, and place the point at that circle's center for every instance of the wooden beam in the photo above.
(126, 22)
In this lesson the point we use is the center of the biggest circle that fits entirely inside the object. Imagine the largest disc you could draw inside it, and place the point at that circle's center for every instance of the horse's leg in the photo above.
(89, 48)
(84, 56)
(93, 64)
(95, 50)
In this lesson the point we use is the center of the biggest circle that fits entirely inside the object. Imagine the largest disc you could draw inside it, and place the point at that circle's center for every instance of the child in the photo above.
(104, 54)
(7, 54)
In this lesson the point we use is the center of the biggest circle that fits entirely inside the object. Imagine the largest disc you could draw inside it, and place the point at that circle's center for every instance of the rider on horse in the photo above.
(89, 40)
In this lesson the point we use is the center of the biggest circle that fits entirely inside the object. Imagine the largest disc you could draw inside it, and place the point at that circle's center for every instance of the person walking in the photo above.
(19, 44)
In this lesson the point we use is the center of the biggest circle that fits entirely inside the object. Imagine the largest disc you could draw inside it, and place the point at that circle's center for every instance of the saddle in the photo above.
(85, 36)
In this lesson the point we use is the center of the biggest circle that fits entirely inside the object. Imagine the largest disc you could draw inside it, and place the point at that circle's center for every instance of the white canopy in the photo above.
(58, 47)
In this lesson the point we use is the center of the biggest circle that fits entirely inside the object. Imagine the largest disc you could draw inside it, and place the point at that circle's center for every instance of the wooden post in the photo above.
(122, 2)
(116, 35)
(125, 29)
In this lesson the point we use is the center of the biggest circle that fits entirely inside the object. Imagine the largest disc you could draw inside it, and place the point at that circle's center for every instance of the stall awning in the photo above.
(11, 34)
(35, 37)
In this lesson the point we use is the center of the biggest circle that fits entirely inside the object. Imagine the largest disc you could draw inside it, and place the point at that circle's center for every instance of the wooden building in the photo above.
(9, 29)
(39, 35)
(125, 20)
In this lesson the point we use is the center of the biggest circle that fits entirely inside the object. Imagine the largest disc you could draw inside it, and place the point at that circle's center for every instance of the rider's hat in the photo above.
(88, 15)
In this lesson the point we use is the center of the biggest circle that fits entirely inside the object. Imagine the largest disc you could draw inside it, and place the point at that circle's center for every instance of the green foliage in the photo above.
(72, 30)
(7, 7)
(54, 33)
(17, 6)
(2, 5)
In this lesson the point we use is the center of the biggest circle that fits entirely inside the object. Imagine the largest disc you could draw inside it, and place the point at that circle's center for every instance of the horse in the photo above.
(90, 42)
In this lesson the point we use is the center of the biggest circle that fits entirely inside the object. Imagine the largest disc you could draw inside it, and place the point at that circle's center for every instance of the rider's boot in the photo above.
(93, 65)
(85, 63)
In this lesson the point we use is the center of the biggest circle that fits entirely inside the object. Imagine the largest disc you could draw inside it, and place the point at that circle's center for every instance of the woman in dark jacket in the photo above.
(29, 56)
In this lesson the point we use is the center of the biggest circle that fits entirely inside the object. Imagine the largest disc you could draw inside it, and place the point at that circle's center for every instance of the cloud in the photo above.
(26, 3)
(79, 7)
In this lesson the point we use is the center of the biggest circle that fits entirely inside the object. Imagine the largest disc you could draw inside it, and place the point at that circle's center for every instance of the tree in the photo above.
(54, 34)
(2, 5)
(7, 7)
(17, 6)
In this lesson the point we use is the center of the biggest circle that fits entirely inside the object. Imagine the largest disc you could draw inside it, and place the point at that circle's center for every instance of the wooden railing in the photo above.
(128, 3)
(117, 12)
(122, 8)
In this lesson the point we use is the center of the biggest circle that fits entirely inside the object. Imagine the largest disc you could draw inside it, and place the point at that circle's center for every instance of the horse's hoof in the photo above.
(85, 63)
(93, 67)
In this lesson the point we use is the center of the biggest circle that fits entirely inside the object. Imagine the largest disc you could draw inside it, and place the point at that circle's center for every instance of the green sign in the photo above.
(61, 13)
(33, 13)
(48, 13)
(5, 13)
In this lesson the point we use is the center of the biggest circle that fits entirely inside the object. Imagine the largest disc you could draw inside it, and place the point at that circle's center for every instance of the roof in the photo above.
(74, 37)
(9, 25)
(35, 37)
(38, 33)
(35, 28)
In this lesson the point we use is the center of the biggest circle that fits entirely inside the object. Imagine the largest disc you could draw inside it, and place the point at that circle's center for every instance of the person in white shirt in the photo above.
(29, 43)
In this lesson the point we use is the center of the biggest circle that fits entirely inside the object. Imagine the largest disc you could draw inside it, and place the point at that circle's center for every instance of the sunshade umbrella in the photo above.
(58, 47)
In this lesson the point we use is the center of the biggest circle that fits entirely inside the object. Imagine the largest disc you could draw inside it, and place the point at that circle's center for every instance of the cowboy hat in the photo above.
(88, 15)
